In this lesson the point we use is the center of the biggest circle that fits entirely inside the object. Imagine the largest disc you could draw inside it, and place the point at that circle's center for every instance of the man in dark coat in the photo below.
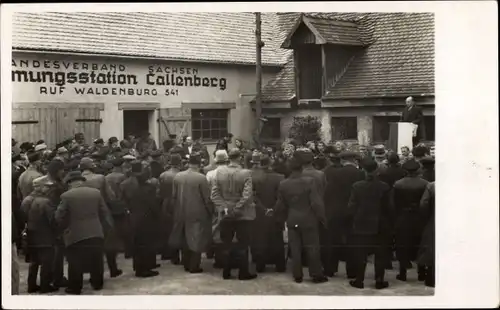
(144, 209)
(427, 247)
(119, 212)
(268, 244)
(41, 233)
(369, 208)
(157, 167)
(84, 216)
(337, 194)
(301, 206)
(192, 216)
(390, 175)
(408, 224)
(428, 172)
(413, 114)
(166, 183)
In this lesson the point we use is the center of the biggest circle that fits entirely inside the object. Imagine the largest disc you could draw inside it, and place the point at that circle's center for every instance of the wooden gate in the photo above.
(175, 121)
(55, 122)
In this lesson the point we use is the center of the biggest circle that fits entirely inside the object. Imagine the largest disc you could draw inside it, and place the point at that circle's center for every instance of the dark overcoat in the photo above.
(408, 221)
(339, 182)
(193, 212)
(144, 209)
(391, 174)
(266, 228)
(427, 247)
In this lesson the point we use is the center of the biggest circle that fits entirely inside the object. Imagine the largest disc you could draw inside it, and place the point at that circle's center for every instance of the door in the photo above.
(54, 122)
(136, 122)
(73, 120)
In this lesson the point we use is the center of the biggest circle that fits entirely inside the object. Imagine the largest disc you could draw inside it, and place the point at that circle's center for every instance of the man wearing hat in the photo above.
(26, 147)
(193, 211)
(428, 172)
(380, 156)
(301, 206)
(407, 194)
(337, 194)
(220, 159)
(40, 147)
(119, 235)
(42, 236)
(268, 245)
(145, 143)
(97, 181)
(369, 207)
(98, 144)
(141, 199)
(232, 195)
(166, 182)
(62, 154)
(31, 173)
(155, 164)
(85, 217)
(390, 175)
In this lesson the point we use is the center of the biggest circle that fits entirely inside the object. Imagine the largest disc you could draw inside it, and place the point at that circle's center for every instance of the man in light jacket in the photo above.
(232, 196)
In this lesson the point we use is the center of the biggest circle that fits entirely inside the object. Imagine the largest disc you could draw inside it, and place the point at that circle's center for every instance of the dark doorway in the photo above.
(135, 122)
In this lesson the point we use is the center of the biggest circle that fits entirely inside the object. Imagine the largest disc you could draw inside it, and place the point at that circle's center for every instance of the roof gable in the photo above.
(326, 31)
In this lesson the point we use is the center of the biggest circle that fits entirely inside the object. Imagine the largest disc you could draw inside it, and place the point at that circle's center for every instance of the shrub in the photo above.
(305, 128)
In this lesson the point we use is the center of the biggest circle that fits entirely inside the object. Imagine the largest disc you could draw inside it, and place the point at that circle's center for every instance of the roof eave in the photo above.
(131, 56)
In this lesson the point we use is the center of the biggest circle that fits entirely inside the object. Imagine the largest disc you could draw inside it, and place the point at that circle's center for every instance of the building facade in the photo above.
(353, 71)
(83, 72)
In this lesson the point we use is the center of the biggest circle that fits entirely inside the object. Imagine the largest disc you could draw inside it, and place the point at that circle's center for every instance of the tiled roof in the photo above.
(345, 33)
(210, 37)
(398, 62)
(281, 88)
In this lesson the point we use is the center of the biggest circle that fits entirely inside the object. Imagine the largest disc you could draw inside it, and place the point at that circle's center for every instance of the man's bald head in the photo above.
(409, 101)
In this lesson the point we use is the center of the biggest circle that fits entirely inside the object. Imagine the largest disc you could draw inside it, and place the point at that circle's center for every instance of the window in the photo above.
(344, 128)
(271, 129)
(209, 124)
(310, 72)
(381, 127)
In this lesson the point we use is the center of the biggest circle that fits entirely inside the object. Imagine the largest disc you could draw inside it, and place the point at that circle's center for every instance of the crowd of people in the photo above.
(312, 203)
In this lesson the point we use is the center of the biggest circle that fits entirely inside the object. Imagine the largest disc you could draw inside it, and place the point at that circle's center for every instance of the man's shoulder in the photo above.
(81, 190)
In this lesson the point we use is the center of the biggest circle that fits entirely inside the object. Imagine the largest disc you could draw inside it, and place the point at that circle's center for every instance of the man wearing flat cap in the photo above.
(407, 194)
(268, 246)
(85, 217)
(94, 180)
(42, 234)
(337, 194)
(428, 172)
(31, 173)
(192, 230)
(166, 182)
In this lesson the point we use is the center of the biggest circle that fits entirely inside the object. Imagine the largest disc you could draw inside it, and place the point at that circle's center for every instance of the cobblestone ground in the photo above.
(174, 281)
